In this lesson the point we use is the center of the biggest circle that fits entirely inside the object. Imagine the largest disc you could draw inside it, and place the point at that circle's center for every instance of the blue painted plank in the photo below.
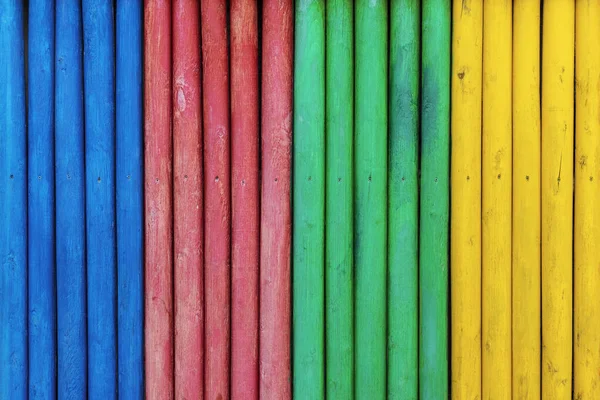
(13, 204)
(70, 203)
(98, 75)
(130, 198)
(40, 118)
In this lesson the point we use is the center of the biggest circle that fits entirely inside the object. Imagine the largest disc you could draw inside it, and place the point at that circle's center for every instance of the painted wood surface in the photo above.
(188, 263)
(526, 304)
(434, 196)
(465, 224)
(557, 197)
(309, 201)
(99, 112)
(339, 256)
(70, 203)
(130, 198)
(275, 225)
(496, 216)
(403, 209)
(370, 183)
(217, 200)
(41, 236)
(586, 287)
(245, 197)
(158, 297)
(13, 204)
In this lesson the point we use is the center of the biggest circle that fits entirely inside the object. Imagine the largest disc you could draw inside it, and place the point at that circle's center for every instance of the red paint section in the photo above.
(277, 74)
(187, 201)
(217, 207)
(158, 213)
(245, 233)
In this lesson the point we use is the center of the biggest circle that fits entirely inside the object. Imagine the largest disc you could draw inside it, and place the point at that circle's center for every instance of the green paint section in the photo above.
(371, 119)
(339, 211)
(403, 218)
(309, 201)
(435, 148)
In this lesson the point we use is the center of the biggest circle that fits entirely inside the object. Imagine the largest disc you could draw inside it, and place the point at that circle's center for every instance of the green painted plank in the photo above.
(309, 201)
(403, 285)
(370, 239)
(435, 148)
(339, 257)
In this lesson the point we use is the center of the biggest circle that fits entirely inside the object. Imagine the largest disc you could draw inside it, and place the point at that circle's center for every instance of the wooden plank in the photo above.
(99, 112)
(41, 237)
(339, 257)
(158, 201)
(188, 269)
(309, 201)
(275, 245)
(526, 305)
(130, 197)
(370, 183)
(245, 233)
(587, 197)
(465, 225)
(558, 52)
(434, 207)
(13, 203)
(70, 203)
(217, 206)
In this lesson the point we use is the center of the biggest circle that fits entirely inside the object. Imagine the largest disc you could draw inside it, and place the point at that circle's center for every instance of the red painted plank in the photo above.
(187, 201)
(277, 72)
(158, 212)
(245, 233)
(216, 197)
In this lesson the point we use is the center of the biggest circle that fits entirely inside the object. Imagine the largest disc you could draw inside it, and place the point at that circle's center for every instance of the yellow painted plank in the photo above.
(557, 196)
(467, 16)
(587, 202)
(526, 301)
(496, 199)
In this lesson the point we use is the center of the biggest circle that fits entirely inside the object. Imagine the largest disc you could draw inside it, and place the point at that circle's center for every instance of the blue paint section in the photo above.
(13, 204)
(40, 117)
(130, 198)
(99, 73)
(70, 203)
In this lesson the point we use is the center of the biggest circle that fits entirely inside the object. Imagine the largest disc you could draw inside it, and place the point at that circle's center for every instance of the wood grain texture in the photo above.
(158, 201)
(188, 262)
(245, 197)
(275, 239)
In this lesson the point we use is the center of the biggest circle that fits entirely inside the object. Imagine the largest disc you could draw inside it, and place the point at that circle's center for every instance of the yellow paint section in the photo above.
(557, 196)
(587, 202)
(526, 274)
(466, 199)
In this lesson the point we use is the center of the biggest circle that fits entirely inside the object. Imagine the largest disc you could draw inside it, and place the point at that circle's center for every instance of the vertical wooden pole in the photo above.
(130, 198)
(40, 159)
(309, 201)
(99, 107)
(403, 209)
(557, 197)
(434, 207)
(13, 204)
(70, 203)
(587, 197)
(275, 238)
(217, 208)
(465, 225)
(245, 233)
(526, 300)
(158, 201)
(188, 268)
(370, 182)
(339, 257)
